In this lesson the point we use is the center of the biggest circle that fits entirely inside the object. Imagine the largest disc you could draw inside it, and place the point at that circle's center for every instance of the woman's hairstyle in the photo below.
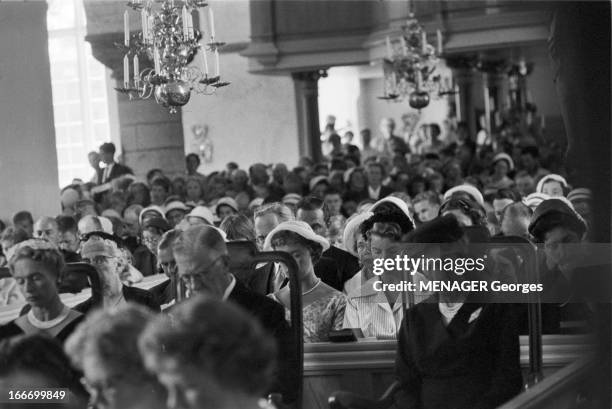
(238, 227)
(283, 212)
(285, 237)
(40, 251)
(110, 336)
(132, 193)
(42, 355)
(162, 182)
(468, 207)
(217, 339)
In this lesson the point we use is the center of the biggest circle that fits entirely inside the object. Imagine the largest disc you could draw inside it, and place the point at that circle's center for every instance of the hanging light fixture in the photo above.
(410, 67)
(169, 39)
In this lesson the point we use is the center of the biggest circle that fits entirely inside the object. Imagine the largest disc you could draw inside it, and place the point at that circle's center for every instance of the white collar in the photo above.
(374, 192)
(35, 322)
(229, 288)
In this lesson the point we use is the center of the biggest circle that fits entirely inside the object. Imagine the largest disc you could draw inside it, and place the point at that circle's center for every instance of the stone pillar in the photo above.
(150, 136)
(307, 104)
(465, 80)
(28, 157)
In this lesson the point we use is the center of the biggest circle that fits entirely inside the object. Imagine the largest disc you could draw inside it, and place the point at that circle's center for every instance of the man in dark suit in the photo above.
(335, 266)
(165, 292)
(202, 258)
(375, 173)
(112, 170)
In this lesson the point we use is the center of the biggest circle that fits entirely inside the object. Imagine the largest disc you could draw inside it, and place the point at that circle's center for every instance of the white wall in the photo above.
(254, 118)
(28, 159)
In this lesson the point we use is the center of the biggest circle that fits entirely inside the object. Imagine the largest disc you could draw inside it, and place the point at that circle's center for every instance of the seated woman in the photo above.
(209, 354)
(108, 260)
(36, 362)
(36, 266)
(323, 306)
(456, 350)
(105, 348)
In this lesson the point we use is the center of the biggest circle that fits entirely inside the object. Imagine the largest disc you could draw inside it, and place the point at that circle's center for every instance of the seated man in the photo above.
(233, 363)
(202, 258)
(166, 291)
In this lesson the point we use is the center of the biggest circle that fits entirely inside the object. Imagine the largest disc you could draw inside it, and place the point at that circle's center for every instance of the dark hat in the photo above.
(444, 229)
(158, 223)
(553, 213)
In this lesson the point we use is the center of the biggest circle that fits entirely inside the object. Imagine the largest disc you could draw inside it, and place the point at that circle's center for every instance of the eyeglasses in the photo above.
(198, 275)
(97, 260)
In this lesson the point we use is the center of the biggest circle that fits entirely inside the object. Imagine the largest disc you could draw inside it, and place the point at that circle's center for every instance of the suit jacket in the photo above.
(471, 363)
(117, 170)
(336, 266)
(131, 294)
(260, 280)
(271, 315)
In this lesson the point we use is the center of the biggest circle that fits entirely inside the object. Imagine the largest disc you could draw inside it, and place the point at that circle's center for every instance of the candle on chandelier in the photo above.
(185, 23)
(404, 46)
(144, 22)
(439, 38)
(126, 72)
(136, 70)
(217, 70)
(190, 25)
(388, 41)
(126, 28)
(211, 23)
(423, 42)
(205, 61)
(156, 63)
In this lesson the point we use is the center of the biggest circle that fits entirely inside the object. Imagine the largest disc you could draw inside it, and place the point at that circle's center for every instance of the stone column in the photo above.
(28, 156)
(307, 105)
(150, 136)
(465, 80)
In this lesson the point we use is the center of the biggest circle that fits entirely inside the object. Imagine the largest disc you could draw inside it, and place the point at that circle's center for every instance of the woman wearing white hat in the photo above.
(322, 306)
(502, 165)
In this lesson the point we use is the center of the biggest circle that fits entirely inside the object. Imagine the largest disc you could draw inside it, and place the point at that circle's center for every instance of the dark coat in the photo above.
(271, 315)
(336, 266)
(465, 365)
(11, 330)
(260, 280)
(131, 294)
(163, 292)
(117, 171)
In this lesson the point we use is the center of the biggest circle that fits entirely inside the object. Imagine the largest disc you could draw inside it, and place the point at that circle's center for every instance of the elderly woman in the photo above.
(323, 306)
(36, 266)
(456, 350)
(209, 354)
(105, 349)
(108, 260)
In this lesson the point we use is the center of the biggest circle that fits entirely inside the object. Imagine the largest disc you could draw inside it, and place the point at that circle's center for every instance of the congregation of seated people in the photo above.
(203, 335)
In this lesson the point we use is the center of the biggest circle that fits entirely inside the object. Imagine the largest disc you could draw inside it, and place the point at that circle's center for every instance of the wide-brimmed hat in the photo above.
(300, 228)
(316, 180)
(227, 201)
(466, 188)
(153, 208)
(552, 212)
(399, 203)
(291, 199)
(175, 205)
(504, 156)
(534, 199)
(550, 178)
(352, 226)
(202, 212)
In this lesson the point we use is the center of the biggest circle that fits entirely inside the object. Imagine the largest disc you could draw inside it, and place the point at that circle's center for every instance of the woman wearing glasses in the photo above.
(36, 266)
(105, 349)
(323, 306)
(106, 257)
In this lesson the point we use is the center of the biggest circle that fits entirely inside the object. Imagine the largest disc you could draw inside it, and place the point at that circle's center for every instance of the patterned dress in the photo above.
(321, 316)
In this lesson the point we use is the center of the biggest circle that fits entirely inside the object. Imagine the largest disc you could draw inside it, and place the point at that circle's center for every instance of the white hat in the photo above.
(152, 208)
(176, 205)
(89, 224)
(291, 198)
(580, 193)
(301, 228)
(395, 201)
(506, 157)
(316, 180)
(202, 212)
(258, 201)
(548, 178)
(352, 226)
(466, 188)
(533, 200)
(227, 201)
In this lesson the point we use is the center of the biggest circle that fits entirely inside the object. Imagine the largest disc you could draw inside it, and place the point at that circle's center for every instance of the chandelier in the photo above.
(410, 67)
(168, 40)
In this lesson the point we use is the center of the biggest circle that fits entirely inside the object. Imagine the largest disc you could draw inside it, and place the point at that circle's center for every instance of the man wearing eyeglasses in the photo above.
(203, 267)
(166, 292)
